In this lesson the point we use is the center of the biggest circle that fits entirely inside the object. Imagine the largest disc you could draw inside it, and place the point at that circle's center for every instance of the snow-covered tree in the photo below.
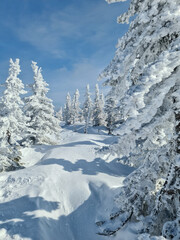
(76, 111)
(87, 109)
(40, 110)
(12, 120)
(102, 104)
(168, 205)
(10, 155)
(101, 97)
(11, 104)
(112, 114)
(68, 116)
(144, 75)
(98, 110)
(59, 114)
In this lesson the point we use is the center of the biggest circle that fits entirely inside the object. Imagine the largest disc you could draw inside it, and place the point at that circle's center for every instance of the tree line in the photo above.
(96, 112)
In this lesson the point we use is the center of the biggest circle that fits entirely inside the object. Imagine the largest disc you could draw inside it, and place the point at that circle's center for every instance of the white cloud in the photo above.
(88, 23)
(66, 80)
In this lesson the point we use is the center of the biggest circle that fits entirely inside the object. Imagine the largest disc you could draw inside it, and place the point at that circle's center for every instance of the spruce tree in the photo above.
(144, 75)
(10, 154)
(40, 110)
(59, 114)
(68, 117)
(87, 109)
(13, 121)
(76, 111)
(98, 110)
(12, 104)
(112, 114)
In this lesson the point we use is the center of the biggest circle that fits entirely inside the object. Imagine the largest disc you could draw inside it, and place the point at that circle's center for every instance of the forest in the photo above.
(128, 139)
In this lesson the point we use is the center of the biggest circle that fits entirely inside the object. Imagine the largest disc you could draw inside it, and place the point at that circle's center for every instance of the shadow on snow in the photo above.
(78, 225)
(45, 148)
(113, 168)
(15, 220)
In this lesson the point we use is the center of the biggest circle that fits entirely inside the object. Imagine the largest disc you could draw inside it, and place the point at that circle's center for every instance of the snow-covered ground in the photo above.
(62, 191)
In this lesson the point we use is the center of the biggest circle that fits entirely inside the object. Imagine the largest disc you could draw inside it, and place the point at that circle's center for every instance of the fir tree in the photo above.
(167, 206)
(98, 111)
(59, 114)
(144, 75)
(111, 111)
(11, 105)
(10, 154)
(68, 117)
(40, 110)
(76, 111)
(13, 121)
(87, 109)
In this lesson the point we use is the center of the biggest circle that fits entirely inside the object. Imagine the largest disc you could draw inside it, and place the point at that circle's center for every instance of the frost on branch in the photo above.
(144, 80)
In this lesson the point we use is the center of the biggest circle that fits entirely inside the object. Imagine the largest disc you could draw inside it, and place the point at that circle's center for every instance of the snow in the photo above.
(63, 190)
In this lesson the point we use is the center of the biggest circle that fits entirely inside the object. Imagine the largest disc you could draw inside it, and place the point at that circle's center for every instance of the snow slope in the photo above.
(62, 191)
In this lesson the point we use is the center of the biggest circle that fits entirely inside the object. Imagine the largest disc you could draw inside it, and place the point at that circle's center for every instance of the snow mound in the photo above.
(62, 191)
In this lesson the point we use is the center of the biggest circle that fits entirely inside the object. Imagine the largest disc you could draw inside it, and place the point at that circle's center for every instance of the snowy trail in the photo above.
(62, 191)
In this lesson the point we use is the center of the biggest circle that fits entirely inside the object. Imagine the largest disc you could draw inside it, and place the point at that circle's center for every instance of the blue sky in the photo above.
(72, 40)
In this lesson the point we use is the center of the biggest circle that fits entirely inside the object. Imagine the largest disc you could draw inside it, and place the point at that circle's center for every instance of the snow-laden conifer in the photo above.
(102, 104)
(112, 114)
(12, 119)
(76, 110)
(68, 117)
(11, 104)
(40, 110)
(98, 110)
(87, 109)
(167, 205)
(144, 75)
(10, 154)
(59, 114)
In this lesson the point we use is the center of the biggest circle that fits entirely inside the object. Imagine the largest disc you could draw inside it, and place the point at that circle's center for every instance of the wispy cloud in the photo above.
(65, 80)
(57, 32)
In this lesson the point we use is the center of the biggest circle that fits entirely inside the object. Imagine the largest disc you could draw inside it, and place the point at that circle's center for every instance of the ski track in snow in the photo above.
(62, 192)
